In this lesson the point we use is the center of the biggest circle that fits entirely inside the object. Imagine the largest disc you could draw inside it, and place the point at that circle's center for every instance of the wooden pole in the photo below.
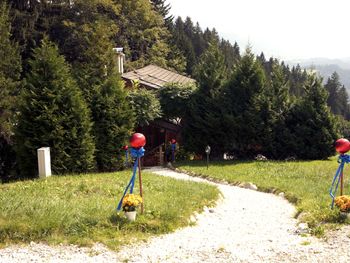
(341, 182)
(140, 181)
(207, 161)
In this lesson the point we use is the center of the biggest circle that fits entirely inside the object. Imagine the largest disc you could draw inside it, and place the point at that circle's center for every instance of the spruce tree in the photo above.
(203, 124)
(333, 87)
(10, 69)
(312, 127)
(104, 92)
(247, 107)
(113, 122)
(53, 114)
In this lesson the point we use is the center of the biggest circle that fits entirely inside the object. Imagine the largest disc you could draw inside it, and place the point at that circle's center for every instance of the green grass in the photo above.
(81, 209)
(305, 183)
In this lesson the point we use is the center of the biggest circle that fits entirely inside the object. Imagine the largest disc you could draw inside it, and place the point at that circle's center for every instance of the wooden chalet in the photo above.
(160, 131)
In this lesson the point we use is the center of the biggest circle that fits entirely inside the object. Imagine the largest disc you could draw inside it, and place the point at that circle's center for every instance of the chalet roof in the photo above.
(156, 77)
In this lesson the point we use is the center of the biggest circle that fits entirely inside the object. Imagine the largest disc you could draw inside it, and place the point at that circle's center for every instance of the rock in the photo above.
(250, 186)
(260, 157)
(302, 228)
(211, 210)
(281, 194)
(193, 219)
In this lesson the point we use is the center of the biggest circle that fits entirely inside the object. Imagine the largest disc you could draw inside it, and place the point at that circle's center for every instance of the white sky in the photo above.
(286, 29)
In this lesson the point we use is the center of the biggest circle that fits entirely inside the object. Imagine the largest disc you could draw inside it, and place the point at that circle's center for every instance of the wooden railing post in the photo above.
(161, 159)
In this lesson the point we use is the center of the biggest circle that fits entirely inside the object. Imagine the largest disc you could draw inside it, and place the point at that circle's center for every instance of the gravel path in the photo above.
(246, 226)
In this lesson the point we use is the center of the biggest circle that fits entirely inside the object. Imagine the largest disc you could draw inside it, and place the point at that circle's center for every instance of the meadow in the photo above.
(304, 183)
(81, 209)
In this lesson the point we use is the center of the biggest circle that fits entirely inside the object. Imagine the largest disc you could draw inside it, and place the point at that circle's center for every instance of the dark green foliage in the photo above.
(311, 126)
(53, 114)
(246, 107)
(279, 106)
(142, 33)
(146, 106)
(174, 99)
(163, 9)
(211, 71)
(113, 122)
(10, 68)
(338, 99)
(193, 42)
(203, 122)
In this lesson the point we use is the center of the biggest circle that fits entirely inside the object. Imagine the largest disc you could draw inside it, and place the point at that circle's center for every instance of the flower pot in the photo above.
(131, 215)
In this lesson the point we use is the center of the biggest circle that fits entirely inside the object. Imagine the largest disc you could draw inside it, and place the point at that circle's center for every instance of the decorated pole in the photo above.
(137, 141)
(342, 146)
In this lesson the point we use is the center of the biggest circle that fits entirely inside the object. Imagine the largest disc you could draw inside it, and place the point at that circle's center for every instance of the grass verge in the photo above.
(305, 183)
(80, 209)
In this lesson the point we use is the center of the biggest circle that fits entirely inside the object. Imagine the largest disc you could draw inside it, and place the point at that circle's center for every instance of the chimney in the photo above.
(120, 59)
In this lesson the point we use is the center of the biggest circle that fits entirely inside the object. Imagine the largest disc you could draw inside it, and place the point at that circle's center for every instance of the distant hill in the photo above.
(326, 67)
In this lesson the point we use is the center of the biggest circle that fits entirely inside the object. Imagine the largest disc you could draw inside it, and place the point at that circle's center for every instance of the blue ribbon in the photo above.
(343, 158)
(135, 153)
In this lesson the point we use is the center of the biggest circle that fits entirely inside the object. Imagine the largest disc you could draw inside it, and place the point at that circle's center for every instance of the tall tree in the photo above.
(312, 127)
(245, 99)
(202, 122)
(163, 9)
(335, 99)
(113, 123)
(53, 114)
(10, 69)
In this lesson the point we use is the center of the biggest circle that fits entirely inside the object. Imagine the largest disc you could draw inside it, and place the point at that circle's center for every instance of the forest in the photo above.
(60, 88)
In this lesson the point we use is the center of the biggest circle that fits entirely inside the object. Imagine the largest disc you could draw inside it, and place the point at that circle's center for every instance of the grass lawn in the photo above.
(305, 183)
(81, 209)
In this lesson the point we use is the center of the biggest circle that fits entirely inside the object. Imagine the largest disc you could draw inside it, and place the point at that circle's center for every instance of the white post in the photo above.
(44, 162)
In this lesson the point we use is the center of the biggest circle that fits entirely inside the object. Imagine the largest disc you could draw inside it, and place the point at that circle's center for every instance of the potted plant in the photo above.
(343, 202)
(130, 203)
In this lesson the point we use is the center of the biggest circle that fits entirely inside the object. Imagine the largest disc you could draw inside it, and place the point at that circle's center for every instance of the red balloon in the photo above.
(125, 147)
(137, 140)
(173, 141)
(342, 145)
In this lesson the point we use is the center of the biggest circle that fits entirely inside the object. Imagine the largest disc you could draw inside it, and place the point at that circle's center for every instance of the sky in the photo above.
(286, 29)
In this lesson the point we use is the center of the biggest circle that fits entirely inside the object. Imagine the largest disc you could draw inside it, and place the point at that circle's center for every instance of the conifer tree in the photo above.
(312, 127)
(246, 110)
(163, 9)
(203, 124)
(53, 114)
(113, 122)
(10, 69)
(333, 87)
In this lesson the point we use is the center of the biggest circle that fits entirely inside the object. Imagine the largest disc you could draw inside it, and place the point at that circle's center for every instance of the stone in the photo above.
(250, 186)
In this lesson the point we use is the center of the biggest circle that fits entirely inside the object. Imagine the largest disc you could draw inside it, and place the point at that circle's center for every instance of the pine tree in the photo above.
(113, 123)
(53, 114)
(312, 128)
(10, 69)
(279, 106)
(163, 9)
(333, 86)
(211, 71)
(344, 102)
(246, 107)
(203, 124)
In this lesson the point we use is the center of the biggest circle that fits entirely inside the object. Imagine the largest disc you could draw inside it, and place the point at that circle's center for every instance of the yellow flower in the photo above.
(131, 201)
(343, 202)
